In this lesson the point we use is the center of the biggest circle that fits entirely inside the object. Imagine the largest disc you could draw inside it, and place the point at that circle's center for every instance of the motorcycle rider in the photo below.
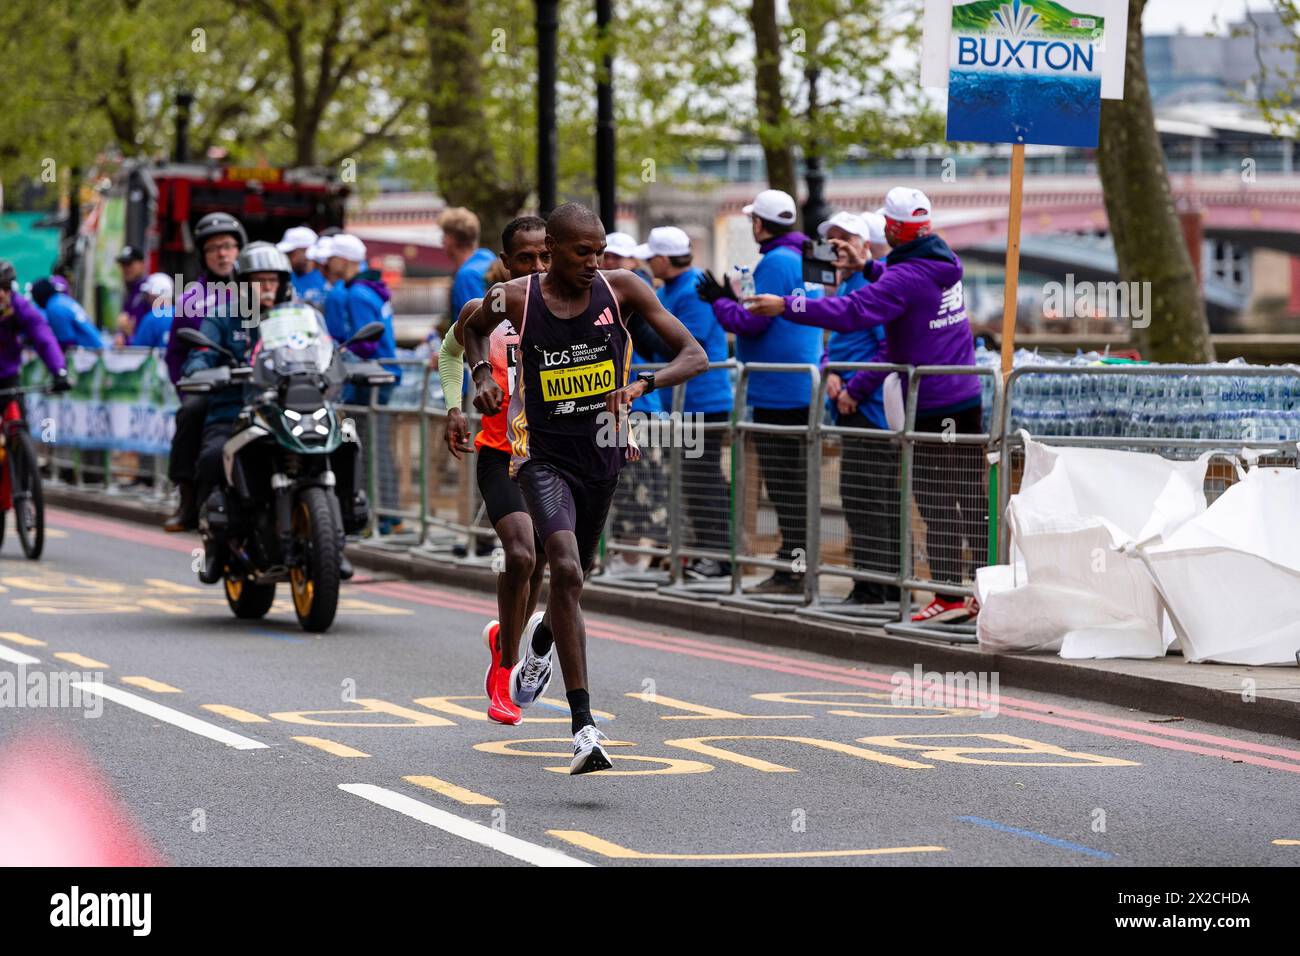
(219, 236)
(266, 269)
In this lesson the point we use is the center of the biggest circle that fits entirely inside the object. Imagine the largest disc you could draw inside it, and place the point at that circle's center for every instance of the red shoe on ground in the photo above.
(940, 611)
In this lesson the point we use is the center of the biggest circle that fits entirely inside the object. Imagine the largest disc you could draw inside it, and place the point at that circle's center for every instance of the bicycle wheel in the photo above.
(28, 498)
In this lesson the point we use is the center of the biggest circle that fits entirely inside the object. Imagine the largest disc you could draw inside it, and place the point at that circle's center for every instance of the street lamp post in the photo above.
(815, 210)
(547, 24)
(605, 167)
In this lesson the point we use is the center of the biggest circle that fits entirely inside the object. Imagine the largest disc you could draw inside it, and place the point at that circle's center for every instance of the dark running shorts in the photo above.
(501, 495)
(561, 501)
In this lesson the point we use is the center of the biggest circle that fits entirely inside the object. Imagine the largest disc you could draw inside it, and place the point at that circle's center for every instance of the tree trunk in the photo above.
(773, 117)
(1148, 237)
(467, 171)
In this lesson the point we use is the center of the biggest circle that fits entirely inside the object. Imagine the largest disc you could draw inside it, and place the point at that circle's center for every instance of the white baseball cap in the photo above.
(321, 250)
(299, 237)
(347, 246)
(620, 244)
(851, 223)
(664, 241)
(905, 204)
(774, 206)
(875, 226)
(160, 283)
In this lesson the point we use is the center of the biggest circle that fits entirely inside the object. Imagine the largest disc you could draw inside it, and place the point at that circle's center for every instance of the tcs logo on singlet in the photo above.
(551, 359)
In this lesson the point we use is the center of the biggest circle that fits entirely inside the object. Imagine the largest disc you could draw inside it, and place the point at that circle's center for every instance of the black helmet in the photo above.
(217, 224)
(7, 274)
(265, 257)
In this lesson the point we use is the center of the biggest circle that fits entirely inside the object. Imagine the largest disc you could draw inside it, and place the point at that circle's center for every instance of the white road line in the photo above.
(16, 657)
(465, 829)
(152, 708)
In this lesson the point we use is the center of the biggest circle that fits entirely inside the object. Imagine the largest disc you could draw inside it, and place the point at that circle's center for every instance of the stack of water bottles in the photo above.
(1221, 407)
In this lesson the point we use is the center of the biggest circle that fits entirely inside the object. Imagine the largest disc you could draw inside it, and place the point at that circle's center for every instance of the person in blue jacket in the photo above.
(460, 233)
(777, 398)
(309, 283)
(155, 325)
(363, 298)
(708, 397)
(68, 320)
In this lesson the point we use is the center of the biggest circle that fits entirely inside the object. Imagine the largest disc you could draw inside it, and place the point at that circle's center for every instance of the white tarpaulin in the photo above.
(1231, 576)
(1071, 586)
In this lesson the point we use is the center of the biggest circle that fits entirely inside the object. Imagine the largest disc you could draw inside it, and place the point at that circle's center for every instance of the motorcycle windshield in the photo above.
(292, 340)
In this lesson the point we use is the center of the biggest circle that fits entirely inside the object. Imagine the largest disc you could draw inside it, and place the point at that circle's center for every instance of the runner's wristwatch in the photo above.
(649, 379)
(477, 366)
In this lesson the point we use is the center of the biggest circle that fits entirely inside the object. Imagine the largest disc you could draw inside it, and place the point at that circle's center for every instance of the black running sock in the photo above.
(542, 640)
(580, 708)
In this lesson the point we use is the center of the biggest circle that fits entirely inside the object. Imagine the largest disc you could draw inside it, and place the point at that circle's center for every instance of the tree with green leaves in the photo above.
(1149, 242)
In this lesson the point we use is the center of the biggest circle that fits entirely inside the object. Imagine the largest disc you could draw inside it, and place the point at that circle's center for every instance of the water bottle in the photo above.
(746, 282)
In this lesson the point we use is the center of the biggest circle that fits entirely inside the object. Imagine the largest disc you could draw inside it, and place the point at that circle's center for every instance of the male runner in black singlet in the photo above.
(568, 424)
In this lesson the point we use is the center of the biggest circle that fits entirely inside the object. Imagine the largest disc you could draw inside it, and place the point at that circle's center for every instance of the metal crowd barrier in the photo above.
(945, 487)
(790, 476)
(859, 498)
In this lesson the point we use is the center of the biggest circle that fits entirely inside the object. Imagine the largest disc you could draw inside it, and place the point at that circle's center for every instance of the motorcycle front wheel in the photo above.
(247, 600)
(314, 579)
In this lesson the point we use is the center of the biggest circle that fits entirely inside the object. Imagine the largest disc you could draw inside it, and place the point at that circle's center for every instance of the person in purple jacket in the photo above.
(21, 324)
(917, 296)
(135, 303)
(219, 237)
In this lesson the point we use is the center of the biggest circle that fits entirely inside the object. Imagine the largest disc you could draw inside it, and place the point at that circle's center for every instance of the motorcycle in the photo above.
(277, 516)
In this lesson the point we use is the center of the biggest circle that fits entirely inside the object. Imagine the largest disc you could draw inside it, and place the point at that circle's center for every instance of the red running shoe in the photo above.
(500, 707)
(491, 631)
(940, 611)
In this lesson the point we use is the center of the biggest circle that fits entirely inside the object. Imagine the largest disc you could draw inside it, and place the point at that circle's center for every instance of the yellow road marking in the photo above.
(448, 705)
(1286, 842)
(81, 660)
(148, 683)
(467, 797)
(172, 587)
(235, 713)
(13, 637)
(702, 711)
(670, 765)
(365, 705)
(331, 747)
(167, 607)
(612, 850)
(1010, 745)
(700, 745)
(55, 533)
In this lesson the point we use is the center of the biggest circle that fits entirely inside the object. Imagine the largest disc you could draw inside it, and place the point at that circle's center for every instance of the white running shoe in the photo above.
(530, 677)
(588, 754)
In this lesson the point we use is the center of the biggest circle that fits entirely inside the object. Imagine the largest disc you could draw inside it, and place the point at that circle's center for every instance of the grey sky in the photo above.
(1195, 16)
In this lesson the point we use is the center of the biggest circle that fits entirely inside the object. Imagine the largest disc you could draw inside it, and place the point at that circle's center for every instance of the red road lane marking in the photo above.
(860, 677)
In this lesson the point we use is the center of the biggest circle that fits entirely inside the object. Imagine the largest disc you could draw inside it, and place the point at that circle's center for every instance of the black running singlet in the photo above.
(565, 369)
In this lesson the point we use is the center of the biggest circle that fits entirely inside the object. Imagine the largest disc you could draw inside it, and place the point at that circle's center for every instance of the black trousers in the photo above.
(869, 493)
(706, 491)
(784, 466)
(210, 472)
(951, 496)
(188, 439)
